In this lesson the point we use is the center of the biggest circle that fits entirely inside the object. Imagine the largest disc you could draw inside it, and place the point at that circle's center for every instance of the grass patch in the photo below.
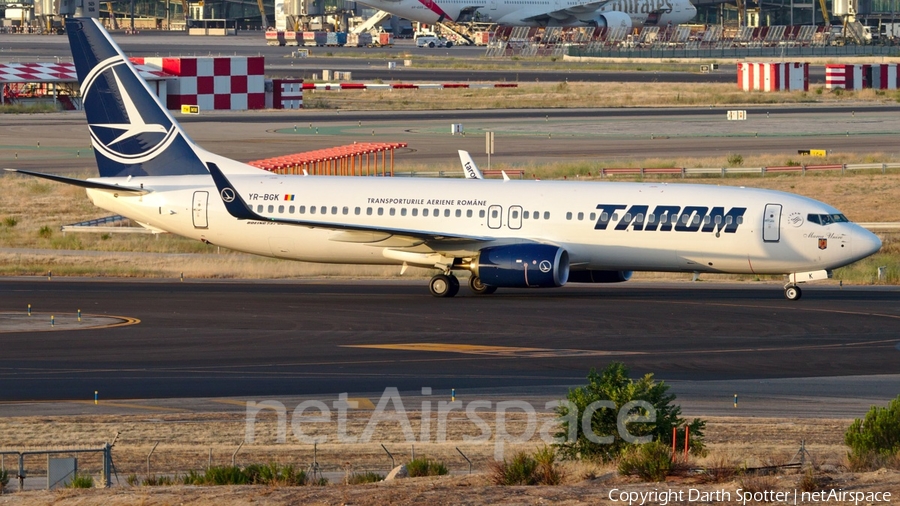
(255, 474)
(538, 468)
(28, 108)
(649, 462)
(366, 477)
(425, 467)
(81, 481)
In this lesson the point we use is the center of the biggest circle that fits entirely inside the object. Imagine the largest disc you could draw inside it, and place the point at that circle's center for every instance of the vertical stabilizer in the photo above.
(132, 132)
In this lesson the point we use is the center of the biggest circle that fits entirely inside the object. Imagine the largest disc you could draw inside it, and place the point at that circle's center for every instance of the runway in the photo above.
(214, 339)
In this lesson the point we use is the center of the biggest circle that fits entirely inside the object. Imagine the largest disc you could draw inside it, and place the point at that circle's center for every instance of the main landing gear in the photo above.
(480, 288)
(444, 285)
(792, 292)
(447, 285)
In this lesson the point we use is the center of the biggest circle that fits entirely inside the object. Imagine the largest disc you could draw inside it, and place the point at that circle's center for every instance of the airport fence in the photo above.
(60, 472)
(684, 172)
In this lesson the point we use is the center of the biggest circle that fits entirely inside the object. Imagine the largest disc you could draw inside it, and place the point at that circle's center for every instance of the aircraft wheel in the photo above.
(454, 285)
(792, 292)
(480, 288)
(441, 285)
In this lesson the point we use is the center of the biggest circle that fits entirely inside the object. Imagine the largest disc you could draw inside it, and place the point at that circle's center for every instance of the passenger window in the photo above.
(580, 216)
(356, 211)
(459, 213)
(718, 220)
(569, 216)
(536, 215)
(280, 209)
(259, 208)
(291, 209)
(651, 218)
(368, 211)
(685, 218)
(437, 213)
(403, 212)
(706, 219)
(740, 220)
(627, 217)
(380, 211)
(334, 210)
(415, 211)
(604, 216)
(615, 217)
(312, 209)
(346, 210)
(323, 210)
(593, 217)
(446, 213)
(696, 219)
(425, 212)
(525, 215)
(271, 209)
(481, 213)
(393, 211)
(639, 218)
(468, 213)
(728, 220)
(494, 213)
(546, 215)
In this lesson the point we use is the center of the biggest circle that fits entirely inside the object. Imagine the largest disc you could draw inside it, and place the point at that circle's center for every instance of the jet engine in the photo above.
(522, 265)
(613, 19)
(599, 276)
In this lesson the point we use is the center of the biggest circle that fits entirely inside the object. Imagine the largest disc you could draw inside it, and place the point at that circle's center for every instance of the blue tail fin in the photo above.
(132, 133)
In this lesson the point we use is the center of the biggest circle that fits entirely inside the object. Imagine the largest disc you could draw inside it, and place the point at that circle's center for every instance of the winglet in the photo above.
(469, 168)
(505, 177)
(230, 197)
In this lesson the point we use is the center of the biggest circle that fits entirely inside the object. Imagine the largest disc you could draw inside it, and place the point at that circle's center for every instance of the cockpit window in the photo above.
(826, 219)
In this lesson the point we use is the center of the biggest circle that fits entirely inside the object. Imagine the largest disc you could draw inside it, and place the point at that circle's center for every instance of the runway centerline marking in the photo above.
(495, 351)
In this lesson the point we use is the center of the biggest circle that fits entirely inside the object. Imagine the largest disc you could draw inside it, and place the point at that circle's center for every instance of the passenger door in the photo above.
(201, 201)
(495, 217)
(772, 223)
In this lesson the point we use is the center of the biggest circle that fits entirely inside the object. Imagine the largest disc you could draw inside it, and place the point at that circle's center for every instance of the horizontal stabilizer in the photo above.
(82, 183)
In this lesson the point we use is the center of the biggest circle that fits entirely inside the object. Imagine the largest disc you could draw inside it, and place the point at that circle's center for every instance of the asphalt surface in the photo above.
(212, 339)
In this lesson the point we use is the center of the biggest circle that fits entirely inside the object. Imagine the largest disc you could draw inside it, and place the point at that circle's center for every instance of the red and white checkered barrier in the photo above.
(234, 83)
(58, 73)
(402, 86)
(773, 76)
(859, 76)
(287, 93)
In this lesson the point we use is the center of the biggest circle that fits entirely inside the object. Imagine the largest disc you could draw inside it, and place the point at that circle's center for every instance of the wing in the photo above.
(238, 208)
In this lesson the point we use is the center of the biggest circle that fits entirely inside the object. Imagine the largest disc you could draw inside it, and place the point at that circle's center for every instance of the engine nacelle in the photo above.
(523, 265)
(612, 19)
(599, 276)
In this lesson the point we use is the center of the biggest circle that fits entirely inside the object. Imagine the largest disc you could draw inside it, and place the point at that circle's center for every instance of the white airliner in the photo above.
(505, 233)
(598, 13)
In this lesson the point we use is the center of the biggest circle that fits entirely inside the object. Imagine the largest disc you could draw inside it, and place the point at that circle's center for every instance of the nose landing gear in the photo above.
(792, 292)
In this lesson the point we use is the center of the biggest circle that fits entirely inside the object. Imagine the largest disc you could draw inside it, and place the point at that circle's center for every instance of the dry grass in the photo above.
(575, 95)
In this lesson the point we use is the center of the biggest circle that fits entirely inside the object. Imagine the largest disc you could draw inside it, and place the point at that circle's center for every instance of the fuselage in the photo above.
(602, 225)
(529, 13)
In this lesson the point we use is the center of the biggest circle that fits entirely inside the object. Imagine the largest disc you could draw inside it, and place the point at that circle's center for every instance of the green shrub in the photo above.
(614, 385)
(4, 480)
(539, 468)
(650, 462)
(366, 477)
(735, 160)
(81, 481)
(874, 441)
(254, 474)
(158, 481)
(10, 221)
(45, 232)
(133, 480)
(425, 467)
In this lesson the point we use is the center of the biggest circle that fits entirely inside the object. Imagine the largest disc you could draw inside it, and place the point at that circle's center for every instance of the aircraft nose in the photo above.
(866, 243)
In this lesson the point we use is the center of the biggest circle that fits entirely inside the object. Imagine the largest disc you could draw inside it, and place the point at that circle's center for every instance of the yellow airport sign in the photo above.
(190, 109)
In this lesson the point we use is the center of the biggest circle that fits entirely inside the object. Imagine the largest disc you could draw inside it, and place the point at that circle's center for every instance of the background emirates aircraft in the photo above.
(504, 233)
(599, 13)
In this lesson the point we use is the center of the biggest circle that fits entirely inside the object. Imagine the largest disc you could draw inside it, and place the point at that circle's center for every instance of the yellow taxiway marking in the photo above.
(477, 349)
(129, 406)
(36, 324)
(361, 402)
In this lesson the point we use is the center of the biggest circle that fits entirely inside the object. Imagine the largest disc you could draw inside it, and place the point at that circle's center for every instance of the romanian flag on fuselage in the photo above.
(288, 197)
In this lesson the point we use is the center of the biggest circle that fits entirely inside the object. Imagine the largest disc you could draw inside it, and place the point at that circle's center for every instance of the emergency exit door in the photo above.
(772, 223)
(201, 199)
